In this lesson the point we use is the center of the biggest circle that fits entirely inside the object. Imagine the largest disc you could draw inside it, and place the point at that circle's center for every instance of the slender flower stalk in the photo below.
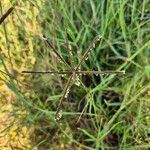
(57, 54)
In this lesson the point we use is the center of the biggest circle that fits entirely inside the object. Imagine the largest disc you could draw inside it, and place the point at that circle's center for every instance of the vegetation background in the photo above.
(105, 111)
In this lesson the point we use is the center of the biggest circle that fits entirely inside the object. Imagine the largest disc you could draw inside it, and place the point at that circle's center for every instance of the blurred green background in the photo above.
(105, 111)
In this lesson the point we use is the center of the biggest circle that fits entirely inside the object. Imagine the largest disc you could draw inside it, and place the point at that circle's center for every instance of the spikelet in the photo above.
(77, 81)
(67, 93)
(58, 116)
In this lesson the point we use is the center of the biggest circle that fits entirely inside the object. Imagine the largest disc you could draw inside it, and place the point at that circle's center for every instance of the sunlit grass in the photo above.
(106, 111)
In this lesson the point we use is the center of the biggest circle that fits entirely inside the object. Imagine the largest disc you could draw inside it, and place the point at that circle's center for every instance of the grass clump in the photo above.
(105, 111)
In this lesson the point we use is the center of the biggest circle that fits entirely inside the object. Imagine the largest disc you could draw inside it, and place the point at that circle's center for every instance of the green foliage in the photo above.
(105, 111)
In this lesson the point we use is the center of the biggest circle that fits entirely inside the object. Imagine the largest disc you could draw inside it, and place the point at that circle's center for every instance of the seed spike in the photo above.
(90, 47)
(55, 51)
(76, 72)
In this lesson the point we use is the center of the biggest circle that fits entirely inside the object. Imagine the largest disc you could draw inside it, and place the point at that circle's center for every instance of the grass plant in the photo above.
(105, 111)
